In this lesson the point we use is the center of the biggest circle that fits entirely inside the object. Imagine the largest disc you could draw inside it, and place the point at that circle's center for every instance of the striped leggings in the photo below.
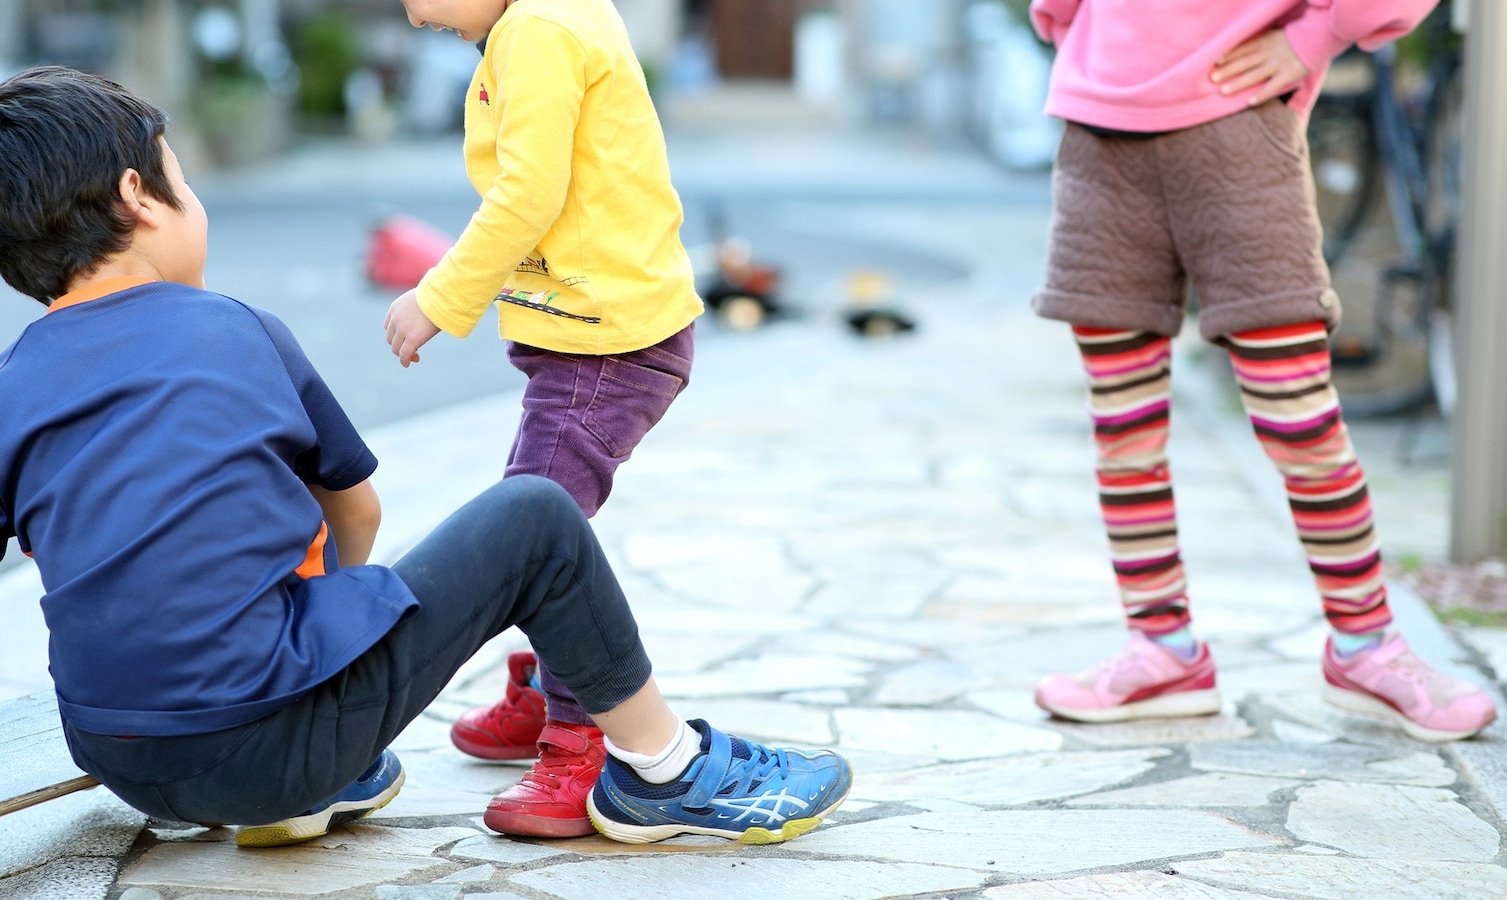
(1283, 375)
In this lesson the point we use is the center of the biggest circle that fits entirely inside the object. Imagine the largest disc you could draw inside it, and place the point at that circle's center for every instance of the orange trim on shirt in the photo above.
(313, 563)
(97, 289)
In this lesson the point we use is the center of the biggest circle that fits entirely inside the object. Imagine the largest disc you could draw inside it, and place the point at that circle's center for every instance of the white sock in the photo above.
(666, 765)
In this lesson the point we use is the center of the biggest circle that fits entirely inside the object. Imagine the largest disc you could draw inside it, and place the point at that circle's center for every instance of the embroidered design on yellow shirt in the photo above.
(541, 301)
(538, 265)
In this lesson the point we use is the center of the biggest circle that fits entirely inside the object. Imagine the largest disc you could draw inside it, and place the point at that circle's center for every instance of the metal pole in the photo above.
(1478, 509)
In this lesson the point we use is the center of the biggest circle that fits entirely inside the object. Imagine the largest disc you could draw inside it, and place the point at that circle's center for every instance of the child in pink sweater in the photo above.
(1184, 164)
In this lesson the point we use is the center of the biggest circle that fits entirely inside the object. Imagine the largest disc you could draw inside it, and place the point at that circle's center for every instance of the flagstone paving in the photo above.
(882, 546)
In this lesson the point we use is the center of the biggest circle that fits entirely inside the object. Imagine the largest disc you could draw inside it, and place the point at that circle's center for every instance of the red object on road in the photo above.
(402, 249)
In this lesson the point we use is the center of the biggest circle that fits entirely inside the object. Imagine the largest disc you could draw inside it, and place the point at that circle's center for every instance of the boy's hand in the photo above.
(408, 328)
(1266, 62)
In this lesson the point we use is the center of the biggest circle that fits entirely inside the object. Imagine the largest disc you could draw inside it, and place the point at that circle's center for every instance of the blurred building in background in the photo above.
(944, 67)
(250, 74)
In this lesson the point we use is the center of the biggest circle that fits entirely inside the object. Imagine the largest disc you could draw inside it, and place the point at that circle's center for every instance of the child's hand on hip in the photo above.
(408, 328)
(1265, 62)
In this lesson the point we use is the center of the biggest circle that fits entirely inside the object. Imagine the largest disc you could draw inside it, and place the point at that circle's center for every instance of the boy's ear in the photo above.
(133, 200)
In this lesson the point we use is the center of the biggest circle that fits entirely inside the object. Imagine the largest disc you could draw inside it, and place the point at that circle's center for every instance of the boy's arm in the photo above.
(336, 463)
(353, 515)
(408, 328)
(540, 70)
(1051, 18)
(1327, 28)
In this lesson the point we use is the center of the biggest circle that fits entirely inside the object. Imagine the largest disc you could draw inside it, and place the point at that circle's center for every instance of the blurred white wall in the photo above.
(154, 57)
(910, 26)
(1009, 72)
(821, 48)
(10, 36)
(654, 26)
(909, 56)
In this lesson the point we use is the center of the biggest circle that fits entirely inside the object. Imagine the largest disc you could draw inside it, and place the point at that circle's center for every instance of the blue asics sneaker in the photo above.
(366, 795)
(735, 789)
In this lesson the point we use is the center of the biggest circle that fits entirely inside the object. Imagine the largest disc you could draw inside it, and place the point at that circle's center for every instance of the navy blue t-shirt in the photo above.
(155, 447)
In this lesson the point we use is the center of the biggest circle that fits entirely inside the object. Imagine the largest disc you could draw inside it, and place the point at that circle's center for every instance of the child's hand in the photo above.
(408, 328)
(1266, 62)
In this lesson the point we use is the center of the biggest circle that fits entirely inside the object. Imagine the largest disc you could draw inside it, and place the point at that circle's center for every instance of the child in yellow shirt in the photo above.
(577, 242)
(270, 668)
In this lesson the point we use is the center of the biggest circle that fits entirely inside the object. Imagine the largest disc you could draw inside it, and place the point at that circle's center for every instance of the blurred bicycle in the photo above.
(1384, 140)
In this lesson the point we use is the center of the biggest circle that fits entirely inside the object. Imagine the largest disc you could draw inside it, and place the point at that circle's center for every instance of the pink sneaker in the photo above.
(1392, 683)
(1142, 681)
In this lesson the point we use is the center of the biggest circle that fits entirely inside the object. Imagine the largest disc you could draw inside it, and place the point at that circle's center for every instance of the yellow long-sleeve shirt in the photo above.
(578, 233)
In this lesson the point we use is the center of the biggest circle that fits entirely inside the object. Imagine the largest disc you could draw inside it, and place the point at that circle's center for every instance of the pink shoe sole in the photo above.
(1142, 681)
(1392, 684)
(1374, 708)
(1166, 706)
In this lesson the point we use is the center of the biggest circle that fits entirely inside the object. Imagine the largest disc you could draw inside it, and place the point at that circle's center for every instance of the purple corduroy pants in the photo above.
(582, 417)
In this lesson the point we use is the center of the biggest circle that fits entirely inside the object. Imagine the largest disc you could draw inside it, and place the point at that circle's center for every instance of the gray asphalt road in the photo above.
(302, 260)
(303, 263)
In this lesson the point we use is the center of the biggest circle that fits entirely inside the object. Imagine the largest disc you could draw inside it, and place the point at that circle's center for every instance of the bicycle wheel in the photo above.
(1441, 215)
(1442, 159)
(1380, 351)
(1343, 152)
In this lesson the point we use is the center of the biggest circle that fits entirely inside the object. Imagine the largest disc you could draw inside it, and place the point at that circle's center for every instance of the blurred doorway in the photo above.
(754, 39)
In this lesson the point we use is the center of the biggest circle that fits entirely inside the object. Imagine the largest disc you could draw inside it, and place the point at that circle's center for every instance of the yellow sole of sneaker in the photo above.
(640, 834)
(272, 836)
(790, 830)
(793, 828)
(287, 833)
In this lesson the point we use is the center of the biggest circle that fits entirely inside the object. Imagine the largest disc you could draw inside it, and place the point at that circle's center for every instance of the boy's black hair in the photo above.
(66, 137)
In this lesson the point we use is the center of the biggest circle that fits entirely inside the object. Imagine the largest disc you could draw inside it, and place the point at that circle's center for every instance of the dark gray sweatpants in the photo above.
(520, 554)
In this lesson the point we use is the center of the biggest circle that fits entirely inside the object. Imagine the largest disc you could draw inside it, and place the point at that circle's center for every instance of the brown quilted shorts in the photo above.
(1226, 207)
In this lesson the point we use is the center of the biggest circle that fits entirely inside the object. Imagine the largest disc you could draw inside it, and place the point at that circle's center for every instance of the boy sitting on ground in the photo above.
(199, 509)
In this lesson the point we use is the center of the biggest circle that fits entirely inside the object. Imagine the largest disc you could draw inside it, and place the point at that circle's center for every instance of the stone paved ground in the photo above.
(881, 546)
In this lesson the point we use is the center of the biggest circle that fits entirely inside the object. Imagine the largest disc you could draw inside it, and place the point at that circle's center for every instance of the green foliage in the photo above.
(1020, 8)
(1430, 39)
(240, 118)
(223, 100)
(326, 51)
(1409, 562)
(653, 77)
(1020, 11)
(1478, 618)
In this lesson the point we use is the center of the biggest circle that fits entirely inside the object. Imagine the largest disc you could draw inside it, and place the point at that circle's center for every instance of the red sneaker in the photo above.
(510, 728)
(550, 800)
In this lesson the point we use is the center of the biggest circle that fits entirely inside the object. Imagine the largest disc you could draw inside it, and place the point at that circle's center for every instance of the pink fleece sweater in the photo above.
(1134, 65)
